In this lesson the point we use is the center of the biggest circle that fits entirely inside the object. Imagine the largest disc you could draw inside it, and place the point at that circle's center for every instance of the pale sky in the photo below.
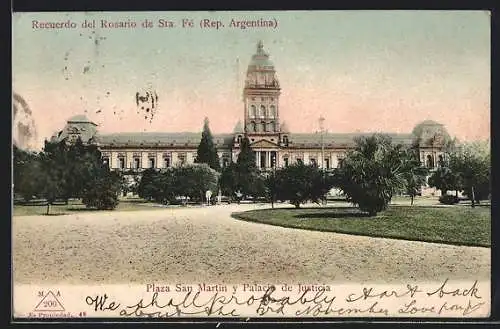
(362, 70)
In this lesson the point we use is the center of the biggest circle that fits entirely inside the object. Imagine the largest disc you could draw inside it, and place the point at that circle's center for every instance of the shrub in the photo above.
(448, 199)
(298, 183)
(103, 193)
(372, 172)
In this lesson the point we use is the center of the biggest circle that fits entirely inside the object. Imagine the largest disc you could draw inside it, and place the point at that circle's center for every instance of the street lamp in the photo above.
(273, 179)
(322, 131)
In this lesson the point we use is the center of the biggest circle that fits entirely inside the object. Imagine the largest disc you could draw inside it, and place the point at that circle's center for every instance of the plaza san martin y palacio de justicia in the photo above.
(274, 145)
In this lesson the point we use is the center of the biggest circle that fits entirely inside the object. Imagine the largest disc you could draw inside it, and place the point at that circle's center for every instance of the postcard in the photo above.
(243, 165)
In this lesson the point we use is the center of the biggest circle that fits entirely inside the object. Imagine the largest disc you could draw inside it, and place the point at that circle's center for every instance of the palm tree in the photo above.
(372, 173)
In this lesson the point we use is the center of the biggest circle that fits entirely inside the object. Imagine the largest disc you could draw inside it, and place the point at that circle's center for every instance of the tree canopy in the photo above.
(66, 170)
(190, 181)
(207, 152)
(471, 162)
(299, 183)
(372, 172)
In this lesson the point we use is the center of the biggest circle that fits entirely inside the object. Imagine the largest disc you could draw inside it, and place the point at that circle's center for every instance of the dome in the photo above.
(426, 125)
(429, 130)
(261, 58)
(79, 118)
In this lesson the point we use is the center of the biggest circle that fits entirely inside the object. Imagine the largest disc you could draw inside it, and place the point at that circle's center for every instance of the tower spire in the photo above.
(260, 47)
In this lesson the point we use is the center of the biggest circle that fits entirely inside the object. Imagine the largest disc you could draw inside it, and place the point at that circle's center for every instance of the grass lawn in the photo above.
(458, 225)
(76, 206)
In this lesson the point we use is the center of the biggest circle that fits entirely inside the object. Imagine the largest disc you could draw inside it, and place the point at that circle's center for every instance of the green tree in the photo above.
(299, 183)
(26, 173)
(194, 180)
(444, 179)
(472, 164)
(103, 190)
(76, 166)
(228, 180)
(207, 152)
(247, 174)
(414, 173)
(52, 173)
(371, 173)
(150, 185)
(169, 187)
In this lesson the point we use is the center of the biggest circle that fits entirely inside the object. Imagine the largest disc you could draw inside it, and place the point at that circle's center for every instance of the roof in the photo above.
(192, 140)
(427, 128)
(182, 139)
(340, 139)
(238, 128)
(261, 58)
(430, 123)
(80, 118)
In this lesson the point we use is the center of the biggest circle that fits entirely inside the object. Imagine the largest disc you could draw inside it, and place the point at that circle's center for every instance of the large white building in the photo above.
(270, 139)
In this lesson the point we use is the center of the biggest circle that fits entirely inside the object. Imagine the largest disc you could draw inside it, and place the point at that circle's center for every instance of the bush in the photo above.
(100, 199)
(102, 194)
(448, 199)
(373, 171)
(298, 183)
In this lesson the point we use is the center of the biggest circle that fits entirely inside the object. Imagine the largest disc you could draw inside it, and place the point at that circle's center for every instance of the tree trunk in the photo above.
(297, 205)
(473, 197)
(48, 208)
(411, 198)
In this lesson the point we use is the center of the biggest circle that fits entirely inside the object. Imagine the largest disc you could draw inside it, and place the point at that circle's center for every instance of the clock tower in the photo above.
(261, 108)
(261, 95)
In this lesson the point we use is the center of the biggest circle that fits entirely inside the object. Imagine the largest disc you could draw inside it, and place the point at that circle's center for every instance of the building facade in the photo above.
(274, 145)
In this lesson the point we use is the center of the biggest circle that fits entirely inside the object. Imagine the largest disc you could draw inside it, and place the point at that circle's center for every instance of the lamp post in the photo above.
(322, 131)
(273, 180)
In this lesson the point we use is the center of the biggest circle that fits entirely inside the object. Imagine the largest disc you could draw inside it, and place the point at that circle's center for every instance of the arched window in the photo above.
(253, 111)
(239, 139)
(272, 111)
(270, 126)
(441, 160)
(262, 126)
(262, 111)
(254, 126)
(285, 140)
(430, 161)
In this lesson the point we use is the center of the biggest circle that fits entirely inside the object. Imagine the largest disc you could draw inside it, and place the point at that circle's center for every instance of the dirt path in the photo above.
(205, 244)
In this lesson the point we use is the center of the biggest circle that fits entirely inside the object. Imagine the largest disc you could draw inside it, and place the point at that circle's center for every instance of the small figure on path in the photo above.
(208, 195)
(238, 196)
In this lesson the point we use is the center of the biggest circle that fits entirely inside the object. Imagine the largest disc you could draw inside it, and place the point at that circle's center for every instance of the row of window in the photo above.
(262, 157)
(263, 99)
(262, 113)
(312, 161)
(429, 161)
(136, 164)
(263, 127)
